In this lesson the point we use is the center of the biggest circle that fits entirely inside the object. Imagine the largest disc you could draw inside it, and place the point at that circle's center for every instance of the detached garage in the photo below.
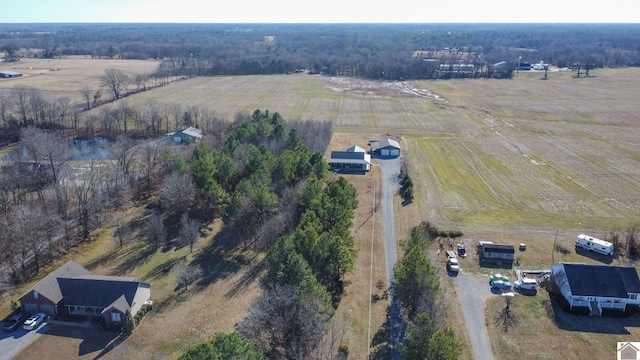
(385, 148)
(9, 74)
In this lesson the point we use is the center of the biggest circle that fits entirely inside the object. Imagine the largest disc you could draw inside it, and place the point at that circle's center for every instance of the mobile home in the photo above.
(593, 244)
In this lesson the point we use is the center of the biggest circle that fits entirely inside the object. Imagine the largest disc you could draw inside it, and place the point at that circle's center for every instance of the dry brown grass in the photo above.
(65, 77)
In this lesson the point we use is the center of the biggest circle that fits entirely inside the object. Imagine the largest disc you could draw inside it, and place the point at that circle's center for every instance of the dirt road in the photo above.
(473, 291)
(389, 170)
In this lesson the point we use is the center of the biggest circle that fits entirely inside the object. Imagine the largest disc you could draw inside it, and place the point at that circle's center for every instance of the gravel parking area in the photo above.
(473, 291)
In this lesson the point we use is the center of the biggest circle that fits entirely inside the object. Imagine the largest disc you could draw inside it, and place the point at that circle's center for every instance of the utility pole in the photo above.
(554, 247)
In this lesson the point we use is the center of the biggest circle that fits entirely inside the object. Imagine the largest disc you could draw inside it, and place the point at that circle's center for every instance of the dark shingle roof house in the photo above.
(72, 290)
(597, 286)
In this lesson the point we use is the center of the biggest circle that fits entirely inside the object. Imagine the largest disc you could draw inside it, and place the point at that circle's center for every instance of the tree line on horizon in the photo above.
(374, 51)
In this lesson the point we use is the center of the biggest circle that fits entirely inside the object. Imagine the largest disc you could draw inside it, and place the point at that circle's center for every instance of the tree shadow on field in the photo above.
(221, 259)
(161, 269)
(137, 255)
(380, 348)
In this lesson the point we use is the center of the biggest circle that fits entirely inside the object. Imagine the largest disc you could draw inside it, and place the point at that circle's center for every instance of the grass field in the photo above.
(65, 77)
(504, 160)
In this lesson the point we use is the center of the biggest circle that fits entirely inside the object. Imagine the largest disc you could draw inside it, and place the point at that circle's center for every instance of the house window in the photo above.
(36, 295)
(633, 296)
(115, 317)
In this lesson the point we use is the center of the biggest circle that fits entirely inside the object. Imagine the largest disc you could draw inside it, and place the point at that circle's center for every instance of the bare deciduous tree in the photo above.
(285, 324)
(122, 231)
(177, 192)
(21, 99)
(5, 109)
(189, 231)
(87, 95)
(156, 232)
(186, 274)
(506, 319)
(116, 81)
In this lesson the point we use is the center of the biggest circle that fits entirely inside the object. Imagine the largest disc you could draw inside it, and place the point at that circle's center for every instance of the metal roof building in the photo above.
(9, 74)
(385, 148)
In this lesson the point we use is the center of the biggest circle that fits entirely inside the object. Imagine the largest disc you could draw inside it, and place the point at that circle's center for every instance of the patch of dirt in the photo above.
(372, 88)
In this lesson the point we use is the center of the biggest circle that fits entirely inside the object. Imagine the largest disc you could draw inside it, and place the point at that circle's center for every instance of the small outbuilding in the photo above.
(9, 74)
(490, 251)
(385, 148)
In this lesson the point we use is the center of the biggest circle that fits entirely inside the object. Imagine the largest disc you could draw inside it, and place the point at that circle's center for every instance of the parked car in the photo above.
(462, 252)
(33, 322)
(452, 265)
(496, 277)
(15, 322)
(500, 284)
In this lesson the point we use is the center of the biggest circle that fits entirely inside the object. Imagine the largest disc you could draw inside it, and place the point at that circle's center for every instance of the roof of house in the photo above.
(79, 287)
(499, 248)
(349, 157)
(8, 72)
(384, 143)
(97, 291)
(191, 131)
(49, 288)
(602, 280)
(355, 148)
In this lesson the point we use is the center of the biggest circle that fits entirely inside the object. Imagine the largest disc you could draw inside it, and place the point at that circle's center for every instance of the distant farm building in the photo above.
(189, 134)
(354, 159)
(385, 148)
(9, 74)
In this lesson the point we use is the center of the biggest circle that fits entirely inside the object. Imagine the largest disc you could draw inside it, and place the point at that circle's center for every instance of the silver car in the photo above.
(33, 322)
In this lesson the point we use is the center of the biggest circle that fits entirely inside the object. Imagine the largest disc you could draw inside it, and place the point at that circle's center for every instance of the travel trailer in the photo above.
(593, 244)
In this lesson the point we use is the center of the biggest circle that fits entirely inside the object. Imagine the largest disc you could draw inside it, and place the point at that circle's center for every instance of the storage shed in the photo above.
(385, 148)
(491, 251)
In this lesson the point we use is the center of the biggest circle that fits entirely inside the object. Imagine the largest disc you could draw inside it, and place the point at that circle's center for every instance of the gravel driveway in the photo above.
(389, 170)
(473, 291)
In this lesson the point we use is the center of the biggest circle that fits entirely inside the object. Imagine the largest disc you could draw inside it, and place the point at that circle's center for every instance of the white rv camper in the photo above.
(593, 244)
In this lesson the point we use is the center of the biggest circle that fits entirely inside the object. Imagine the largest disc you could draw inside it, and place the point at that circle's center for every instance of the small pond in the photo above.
(86, 149)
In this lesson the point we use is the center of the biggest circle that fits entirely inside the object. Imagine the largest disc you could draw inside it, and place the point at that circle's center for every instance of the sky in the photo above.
(322, 11)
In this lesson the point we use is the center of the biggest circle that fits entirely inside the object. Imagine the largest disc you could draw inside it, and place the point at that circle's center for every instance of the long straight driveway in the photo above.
(389, 170)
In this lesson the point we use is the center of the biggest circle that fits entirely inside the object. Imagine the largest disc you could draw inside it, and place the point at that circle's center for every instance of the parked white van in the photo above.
(593, 244)
(526, 284)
